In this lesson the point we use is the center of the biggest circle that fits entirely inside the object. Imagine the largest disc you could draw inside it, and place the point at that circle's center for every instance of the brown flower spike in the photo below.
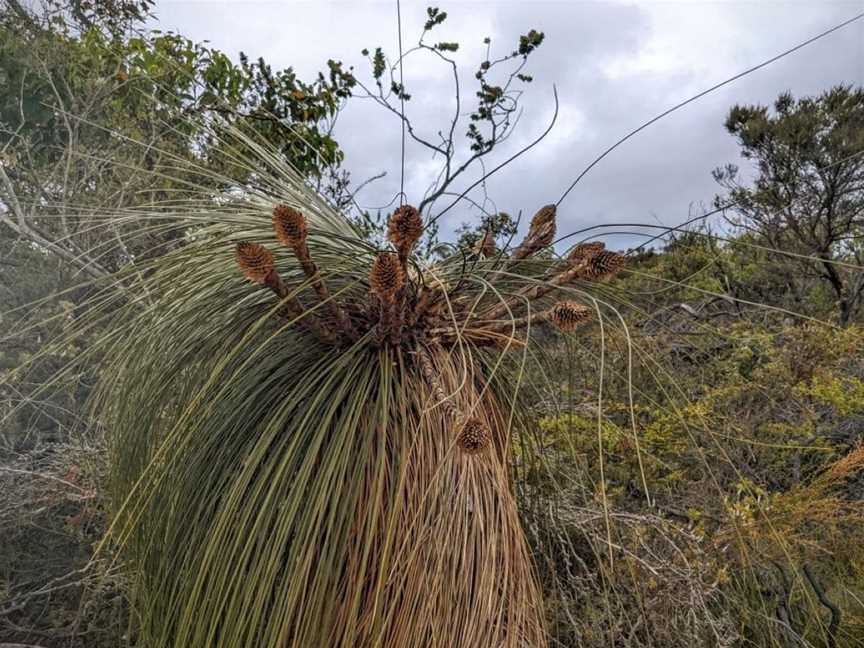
(585, 251)
(541, 233)
(543, 224)
(386, 276)
(604, 264)
(568, 315)
(255, 261)
(405, 227)
(289, 225)
(474, 437)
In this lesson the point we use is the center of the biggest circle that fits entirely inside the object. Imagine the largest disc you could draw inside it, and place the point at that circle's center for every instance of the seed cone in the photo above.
(604, 264)
(386, 276)
(541, 233)
(474, 437)
(255, 261)
(568, 315)
(289, 225)
(405, 228)
(543, 222)
(585, 251)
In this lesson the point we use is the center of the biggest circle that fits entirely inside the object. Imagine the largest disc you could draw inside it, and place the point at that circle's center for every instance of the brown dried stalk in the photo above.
(535, 292)
(474, 435)
(256, 263)
(427, 368)
(293, 308)
(478, 337)
(429, 305)
(387, 280)
(290, 227)
(597, 266)
(565, 315)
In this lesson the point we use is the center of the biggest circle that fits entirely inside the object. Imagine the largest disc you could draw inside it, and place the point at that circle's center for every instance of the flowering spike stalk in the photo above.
(291, 229)
(600, 266)
(565, 315)
(404, 230)
(257, 264)
(427, 368)
(255, 261)
(540, 235)
(387, 280)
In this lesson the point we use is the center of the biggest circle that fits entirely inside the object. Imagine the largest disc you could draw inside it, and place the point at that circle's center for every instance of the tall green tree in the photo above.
(81, 96)
(807, 196)
(102, 125)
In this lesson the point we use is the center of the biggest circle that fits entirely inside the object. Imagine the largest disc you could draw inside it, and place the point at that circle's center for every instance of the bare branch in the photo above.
(23, 229)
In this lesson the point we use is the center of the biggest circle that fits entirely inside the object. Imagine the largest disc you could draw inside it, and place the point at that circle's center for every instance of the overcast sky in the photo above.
(615, 65)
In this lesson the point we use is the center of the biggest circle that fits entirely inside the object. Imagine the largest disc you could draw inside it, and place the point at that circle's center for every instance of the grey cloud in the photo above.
(615, 65)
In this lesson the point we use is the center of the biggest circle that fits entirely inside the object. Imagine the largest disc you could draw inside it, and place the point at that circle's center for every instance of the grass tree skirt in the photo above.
(310, 435)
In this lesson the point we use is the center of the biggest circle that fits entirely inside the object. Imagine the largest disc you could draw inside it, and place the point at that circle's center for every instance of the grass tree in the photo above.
(309, 435)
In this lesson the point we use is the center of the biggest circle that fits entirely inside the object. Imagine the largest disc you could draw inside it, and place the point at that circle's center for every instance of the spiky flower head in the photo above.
(289, 225)
(604, 264)
(255, 261)
(568, 315)
(585, 251)
(474, 436)
(405, 227)
(386, 276)
(542, 230)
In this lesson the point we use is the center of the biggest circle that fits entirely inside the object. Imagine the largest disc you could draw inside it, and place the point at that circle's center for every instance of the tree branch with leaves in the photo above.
(808, 193)
(492, 117)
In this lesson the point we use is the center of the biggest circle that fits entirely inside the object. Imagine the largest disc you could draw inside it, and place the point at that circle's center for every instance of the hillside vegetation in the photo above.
(687, 467)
